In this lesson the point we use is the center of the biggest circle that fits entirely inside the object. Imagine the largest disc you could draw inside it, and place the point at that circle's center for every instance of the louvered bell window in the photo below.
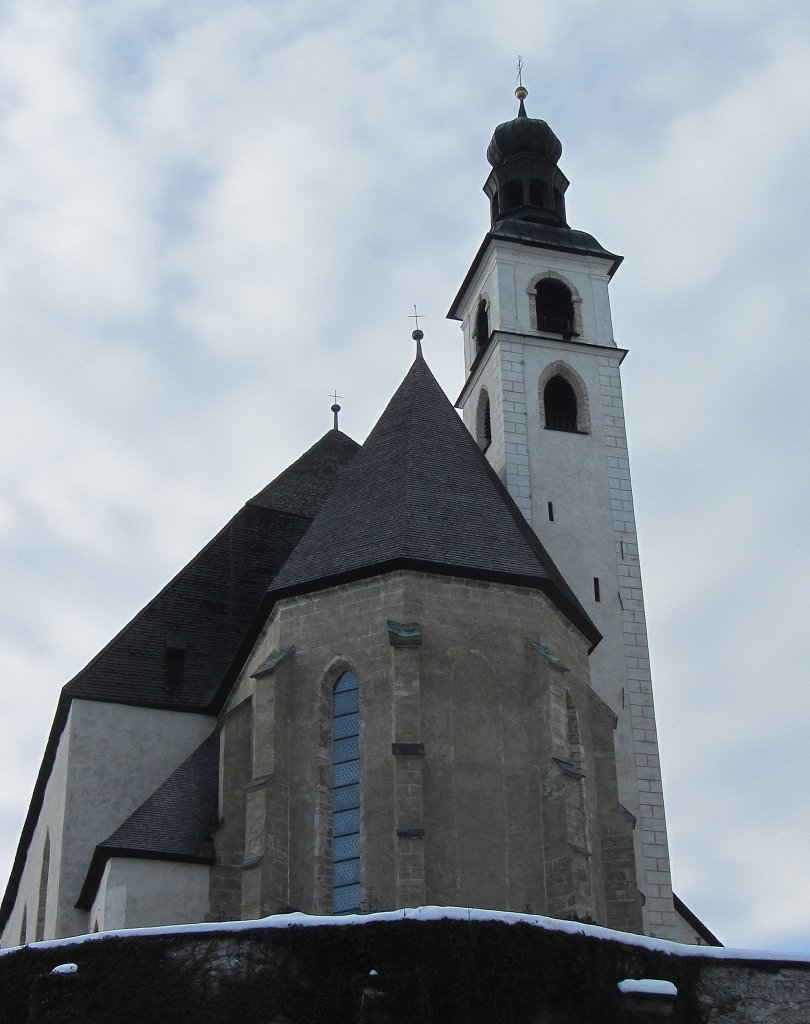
(560, 404)
(346, 795)
(555, 308)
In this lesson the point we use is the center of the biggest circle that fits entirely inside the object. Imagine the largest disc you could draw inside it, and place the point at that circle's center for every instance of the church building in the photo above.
(408, 672)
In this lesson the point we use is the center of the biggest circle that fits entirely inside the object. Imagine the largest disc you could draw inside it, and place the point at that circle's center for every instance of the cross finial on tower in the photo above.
(521, 92)
(417, 334)
(336, 408)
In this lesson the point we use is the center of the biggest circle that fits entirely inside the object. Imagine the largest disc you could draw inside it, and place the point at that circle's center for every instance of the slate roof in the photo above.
(303, 487)
(208, 606)
(174, 823)
(420, 494)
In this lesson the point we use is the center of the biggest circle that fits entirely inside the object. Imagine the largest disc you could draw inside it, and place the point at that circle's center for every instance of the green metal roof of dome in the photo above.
(523, 135)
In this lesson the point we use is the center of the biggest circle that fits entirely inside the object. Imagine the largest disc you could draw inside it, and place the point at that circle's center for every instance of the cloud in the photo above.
(214, 216)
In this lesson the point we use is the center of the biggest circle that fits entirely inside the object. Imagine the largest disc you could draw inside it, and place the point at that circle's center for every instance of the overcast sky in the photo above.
(213, 214)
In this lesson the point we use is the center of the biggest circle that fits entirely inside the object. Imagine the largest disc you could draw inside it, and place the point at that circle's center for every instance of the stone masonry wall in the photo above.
(470, 793)
(387, 969)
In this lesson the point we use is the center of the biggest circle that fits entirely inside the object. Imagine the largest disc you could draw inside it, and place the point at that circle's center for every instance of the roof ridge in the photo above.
(421, 494)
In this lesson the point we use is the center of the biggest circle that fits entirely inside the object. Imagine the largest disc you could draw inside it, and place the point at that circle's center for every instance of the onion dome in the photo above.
(525, 183)
(523, 136)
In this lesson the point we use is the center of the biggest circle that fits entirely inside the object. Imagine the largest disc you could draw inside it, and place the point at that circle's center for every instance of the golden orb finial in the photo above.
(521, 92)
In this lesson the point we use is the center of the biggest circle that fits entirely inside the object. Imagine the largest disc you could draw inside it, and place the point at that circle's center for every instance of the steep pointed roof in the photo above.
(304, 486)
(174, 823)
(207, 607)
(420, 494)
(204, 612)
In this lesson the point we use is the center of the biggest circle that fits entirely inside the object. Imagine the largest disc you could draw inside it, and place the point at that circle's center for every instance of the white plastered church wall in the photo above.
(49, 825)
(110, 758)
(137, 893)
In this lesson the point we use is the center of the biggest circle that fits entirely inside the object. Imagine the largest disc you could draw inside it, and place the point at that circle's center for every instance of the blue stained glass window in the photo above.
(346, 795)
(346, 872)
(346, 726)
(347, 749)
(345, 703)
(346, 847)
(346, 899)
(343, 774)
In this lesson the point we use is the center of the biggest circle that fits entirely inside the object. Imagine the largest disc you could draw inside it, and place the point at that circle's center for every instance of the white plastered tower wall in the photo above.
(574, 488)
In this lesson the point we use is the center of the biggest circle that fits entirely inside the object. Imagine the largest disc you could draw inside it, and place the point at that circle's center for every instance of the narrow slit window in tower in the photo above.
(560, 405)
(555, 308)
(346, 795)
(483, 421)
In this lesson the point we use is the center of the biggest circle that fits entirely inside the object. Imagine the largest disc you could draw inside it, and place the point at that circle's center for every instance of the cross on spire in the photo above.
(335, 408)
(415, 316)
(416, 334)
(521, 92)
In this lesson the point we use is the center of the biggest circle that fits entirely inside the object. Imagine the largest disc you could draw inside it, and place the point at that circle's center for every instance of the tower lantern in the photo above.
(525, 184)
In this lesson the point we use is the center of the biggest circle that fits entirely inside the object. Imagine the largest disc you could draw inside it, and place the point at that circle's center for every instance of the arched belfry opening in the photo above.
(563, 399)
(560, 405)
(346, 795)
(555, 308)
(483, 421)
(514, 194)
(481, 333)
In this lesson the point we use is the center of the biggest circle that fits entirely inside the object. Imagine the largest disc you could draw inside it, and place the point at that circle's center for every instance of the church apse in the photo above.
(458, 742)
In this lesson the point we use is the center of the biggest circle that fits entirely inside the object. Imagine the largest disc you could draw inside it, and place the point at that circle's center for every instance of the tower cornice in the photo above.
(538, 236)
(533, 339)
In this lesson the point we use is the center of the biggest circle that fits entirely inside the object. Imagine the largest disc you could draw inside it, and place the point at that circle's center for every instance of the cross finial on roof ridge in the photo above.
(417, 334)
(336, 408)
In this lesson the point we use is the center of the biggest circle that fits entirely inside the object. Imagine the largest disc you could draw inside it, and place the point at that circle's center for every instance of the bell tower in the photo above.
(543, 399)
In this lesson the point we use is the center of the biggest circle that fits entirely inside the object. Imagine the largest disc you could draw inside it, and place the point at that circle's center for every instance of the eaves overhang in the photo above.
(563, 342)
(694, 921)
(546, 584)
(539, 237)
(555, 590)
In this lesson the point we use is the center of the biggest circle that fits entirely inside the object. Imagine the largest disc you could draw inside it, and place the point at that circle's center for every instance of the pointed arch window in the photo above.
(560, 405)
(43, 887)
(346, 795)
(555, 308)
(481, 326)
